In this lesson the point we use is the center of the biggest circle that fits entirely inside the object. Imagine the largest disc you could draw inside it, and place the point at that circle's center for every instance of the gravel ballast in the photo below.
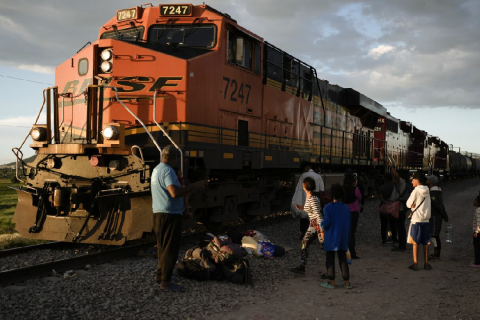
(125, 289)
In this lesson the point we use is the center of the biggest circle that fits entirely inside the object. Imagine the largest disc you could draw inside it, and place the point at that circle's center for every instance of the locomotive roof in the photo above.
(361, 106)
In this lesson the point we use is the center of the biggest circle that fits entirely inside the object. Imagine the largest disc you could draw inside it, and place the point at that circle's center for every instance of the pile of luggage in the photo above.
(224, 257)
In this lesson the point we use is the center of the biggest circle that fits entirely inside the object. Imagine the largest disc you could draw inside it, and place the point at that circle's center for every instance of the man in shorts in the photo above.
(419, 232)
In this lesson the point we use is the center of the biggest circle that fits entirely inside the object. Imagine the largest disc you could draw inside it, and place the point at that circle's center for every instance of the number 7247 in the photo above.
(237, 92)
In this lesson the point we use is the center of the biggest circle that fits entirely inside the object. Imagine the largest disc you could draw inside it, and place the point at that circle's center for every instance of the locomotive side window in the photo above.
(82, 67)
(203, 36)
(243, 51)
(243, 56)
(231, 47)
(258, 59)
(129, 34)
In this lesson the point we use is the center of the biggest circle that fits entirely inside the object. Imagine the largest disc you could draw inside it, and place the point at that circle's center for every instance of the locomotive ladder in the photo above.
(154, 119)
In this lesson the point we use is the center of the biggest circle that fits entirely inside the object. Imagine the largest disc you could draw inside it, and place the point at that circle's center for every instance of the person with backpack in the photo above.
(313, 208)
(352, 198)
(438, 214)
(419, 232)
(385, 192)
(401, 192)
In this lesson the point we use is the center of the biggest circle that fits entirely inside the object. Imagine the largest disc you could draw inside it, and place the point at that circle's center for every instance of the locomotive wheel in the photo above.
(213, 227)
(243, 211)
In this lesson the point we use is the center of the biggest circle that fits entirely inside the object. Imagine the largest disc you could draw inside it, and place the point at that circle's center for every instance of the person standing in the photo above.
(299, 196)
(438, 214)
(336, 225)
(385, 192)
(352, 198)
(476, 233)
(401, 193)
(168, 207)
(419, 232)
(312, 208)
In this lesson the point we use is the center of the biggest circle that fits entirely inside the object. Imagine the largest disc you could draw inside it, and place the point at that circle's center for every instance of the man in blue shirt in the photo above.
(168, 207)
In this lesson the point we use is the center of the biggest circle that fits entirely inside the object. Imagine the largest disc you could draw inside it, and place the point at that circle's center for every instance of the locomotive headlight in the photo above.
(110, 132)
(106, 54)
(38, 134)
(106, 66)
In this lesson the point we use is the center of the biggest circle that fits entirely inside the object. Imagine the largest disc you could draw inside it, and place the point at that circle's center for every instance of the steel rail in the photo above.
(45, 269)
(18, 250)
(26, 273)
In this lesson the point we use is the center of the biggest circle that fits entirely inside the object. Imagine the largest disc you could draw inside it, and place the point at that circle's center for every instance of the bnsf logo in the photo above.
(125, 84)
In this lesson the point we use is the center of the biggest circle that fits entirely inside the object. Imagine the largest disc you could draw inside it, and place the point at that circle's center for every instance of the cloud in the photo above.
(409, 54)
(380, 50)
(21, 121)
(37, 68)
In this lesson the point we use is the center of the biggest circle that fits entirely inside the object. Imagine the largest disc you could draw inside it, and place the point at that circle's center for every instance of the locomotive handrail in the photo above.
(141, 154)
(164, 132)
(16, 151)
(16, 162)
(137, 118)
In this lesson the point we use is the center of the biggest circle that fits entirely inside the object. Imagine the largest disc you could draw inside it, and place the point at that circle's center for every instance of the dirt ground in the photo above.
(383, 285)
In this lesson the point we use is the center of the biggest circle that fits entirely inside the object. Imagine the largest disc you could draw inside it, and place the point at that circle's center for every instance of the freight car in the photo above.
(243, 113)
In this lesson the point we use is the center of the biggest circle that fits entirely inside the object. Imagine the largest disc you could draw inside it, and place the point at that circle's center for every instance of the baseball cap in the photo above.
(433, 179)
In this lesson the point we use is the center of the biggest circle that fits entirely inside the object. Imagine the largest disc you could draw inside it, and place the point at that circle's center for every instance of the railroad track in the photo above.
(19, 250)
(60, 266)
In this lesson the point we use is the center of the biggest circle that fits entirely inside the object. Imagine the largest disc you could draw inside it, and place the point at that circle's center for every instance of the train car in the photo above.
(458, 165)
(440, 162)
(243, 113)
(240, 110)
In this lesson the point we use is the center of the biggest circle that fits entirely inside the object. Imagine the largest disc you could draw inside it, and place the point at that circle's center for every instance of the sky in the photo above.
(418, 58)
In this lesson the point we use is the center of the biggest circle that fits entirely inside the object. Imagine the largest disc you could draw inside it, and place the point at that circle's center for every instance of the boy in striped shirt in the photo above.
(313, 208)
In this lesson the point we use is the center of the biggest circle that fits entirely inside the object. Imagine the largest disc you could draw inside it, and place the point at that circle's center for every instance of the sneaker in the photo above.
(473, 265)
(324, 276)
(300, 269)
(413, 267)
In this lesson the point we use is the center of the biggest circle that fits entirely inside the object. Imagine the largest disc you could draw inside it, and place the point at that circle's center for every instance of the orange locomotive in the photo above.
(242, 112)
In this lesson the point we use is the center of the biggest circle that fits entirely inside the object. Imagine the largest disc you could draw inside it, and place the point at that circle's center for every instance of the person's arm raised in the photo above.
(177, 192)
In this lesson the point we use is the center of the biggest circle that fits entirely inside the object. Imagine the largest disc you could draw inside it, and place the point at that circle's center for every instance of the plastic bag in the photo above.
(265, 249)
(257, 235)
(250, 243)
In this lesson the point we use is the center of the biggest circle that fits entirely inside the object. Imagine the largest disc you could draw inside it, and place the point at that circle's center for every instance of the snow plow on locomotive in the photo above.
(243, 113)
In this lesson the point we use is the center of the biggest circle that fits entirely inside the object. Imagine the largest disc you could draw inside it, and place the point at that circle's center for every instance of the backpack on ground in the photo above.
(191, 269)
(238, 271)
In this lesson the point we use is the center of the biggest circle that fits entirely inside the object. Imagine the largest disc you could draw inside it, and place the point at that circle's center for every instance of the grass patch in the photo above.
(8, 202)
(14, 240)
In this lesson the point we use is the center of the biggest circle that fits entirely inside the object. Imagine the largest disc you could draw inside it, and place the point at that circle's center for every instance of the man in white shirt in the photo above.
(299, 196)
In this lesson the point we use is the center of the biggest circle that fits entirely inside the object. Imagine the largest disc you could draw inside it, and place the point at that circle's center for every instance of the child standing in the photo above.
(312, 208)
(336, 224)
(476, 233)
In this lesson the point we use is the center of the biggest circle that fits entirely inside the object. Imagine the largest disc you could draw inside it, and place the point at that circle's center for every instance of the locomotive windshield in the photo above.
(183, 35)
(130, 34)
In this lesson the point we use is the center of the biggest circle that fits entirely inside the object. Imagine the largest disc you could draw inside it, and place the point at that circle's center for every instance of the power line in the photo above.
(7, 125)
(26, 80)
